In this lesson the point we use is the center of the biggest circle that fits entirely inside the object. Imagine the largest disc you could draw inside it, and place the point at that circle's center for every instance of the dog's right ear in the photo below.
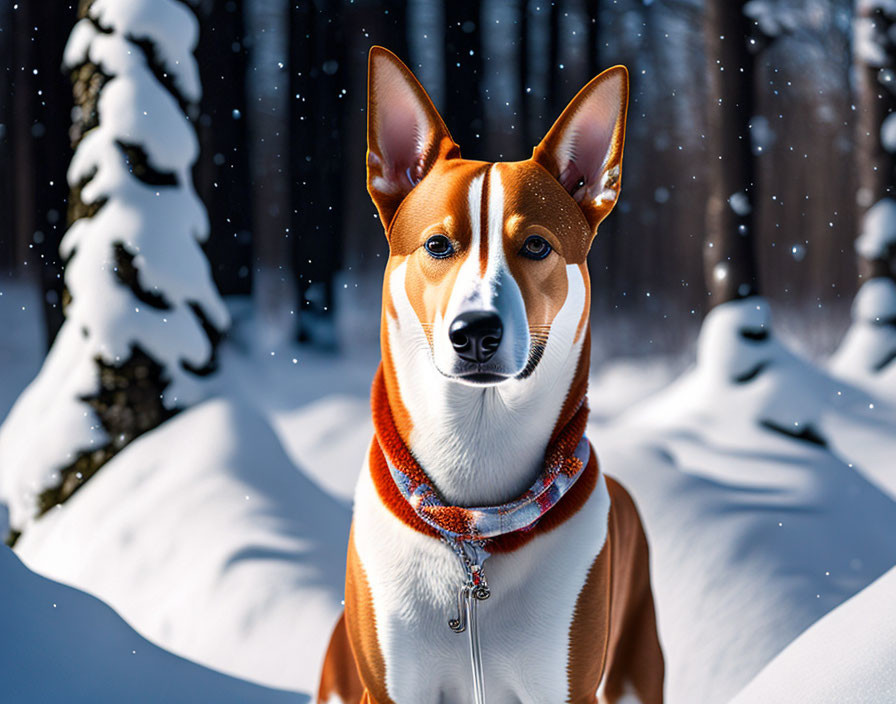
(405, 134)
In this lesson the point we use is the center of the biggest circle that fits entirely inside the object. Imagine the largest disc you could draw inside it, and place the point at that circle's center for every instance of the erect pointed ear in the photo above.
(405, 134)
(583, 150)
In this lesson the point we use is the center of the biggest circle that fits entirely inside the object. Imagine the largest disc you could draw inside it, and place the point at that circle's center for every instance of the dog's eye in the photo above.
(439, 246)
(536, 247)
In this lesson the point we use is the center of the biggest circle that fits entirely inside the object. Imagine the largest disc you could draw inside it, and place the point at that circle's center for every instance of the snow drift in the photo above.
(867, 355)
(59, 644)
(757, 527)
(211, 543)
(847, 657)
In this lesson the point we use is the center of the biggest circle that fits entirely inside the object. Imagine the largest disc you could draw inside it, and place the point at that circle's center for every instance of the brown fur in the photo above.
(613, 634)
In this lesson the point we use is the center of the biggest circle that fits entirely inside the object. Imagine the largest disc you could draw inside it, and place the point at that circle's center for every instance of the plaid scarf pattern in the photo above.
(565, 459)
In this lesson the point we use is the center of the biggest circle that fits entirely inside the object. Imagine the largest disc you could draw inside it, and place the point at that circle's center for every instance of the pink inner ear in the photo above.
(587, 141)
(403, 129)
(403, 145)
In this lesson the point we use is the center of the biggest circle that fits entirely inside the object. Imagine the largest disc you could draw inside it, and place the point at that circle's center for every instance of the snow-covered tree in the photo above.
(142, 313)
(867, 354)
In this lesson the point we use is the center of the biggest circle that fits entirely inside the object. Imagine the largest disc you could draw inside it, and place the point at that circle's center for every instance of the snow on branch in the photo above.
(160, 226)
(171, 28)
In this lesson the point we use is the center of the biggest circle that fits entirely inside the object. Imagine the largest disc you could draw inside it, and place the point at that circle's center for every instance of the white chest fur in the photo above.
(524, 626)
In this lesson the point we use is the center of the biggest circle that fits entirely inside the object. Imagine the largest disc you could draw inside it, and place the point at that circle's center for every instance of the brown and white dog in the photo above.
(485, 344)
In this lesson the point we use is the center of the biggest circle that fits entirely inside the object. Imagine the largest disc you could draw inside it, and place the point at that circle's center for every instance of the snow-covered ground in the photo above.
(60, 645)
(211, 542)
(847, 657)
(753, 472)
(765, 484)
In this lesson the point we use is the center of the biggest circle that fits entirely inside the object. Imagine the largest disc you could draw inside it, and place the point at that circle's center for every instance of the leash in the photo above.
(474, 590)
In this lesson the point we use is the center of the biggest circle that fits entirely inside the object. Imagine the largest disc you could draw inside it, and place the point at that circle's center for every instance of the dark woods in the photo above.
(281, 126)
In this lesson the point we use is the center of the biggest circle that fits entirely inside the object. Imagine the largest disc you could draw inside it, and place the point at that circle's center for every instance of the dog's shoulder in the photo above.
(624, 516)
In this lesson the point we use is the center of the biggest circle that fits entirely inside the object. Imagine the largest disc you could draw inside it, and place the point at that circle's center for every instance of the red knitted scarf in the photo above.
(562, 469)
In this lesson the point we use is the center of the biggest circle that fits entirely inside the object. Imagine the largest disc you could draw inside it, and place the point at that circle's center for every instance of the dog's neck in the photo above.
(484, 445)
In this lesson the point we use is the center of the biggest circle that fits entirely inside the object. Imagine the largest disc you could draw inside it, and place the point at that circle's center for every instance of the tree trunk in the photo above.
(52, 104)
(319, 78)
(464, 112)
(395, 19)
(129, 396)
(553, 58)
(593, 34)
(7, 200)
(729, 258)
(222, 171)
(875, 102)
(37, 142)
(503, 72)
(523, 83)
(23, 95)
(268, 126)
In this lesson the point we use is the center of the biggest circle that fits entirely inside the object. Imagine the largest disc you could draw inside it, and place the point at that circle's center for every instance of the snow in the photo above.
(762, 134)
(211, 543)
(871, 43)
(169, 25)
(847, 657)
(134, 109)
(30, 456)
(867, 43)
(867, 353)
(326, 431)
(888, 133)
(774, 19)
(781, 389)
(317, 403)
(878, 237)
(740, 203)
(754, 534)
(162, 227)
(59, 644)
(620, 383)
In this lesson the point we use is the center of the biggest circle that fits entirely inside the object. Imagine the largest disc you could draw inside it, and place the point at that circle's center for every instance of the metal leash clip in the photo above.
(476, 585)
(475, 588)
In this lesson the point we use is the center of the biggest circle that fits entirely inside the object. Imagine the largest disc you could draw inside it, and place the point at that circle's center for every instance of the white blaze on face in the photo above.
(493, 289)
(478, 458)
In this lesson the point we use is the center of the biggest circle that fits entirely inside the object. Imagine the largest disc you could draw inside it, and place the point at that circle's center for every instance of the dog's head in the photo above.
(487, 262)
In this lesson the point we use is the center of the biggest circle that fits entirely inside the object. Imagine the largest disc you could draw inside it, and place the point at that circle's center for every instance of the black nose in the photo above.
(476, 335)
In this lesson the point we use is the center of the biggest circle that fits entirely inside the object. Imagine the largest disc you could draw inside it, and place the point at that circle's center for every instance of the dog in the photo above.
(489, 558)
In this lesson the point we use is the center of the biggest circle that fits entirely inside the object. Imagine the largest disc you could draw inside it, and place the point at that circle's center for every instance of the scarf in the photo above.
(567, 456)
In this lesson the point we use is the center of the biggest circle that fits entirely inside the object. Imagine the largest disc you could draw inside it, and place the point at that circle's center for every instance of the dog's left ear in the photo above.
(583, 150)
